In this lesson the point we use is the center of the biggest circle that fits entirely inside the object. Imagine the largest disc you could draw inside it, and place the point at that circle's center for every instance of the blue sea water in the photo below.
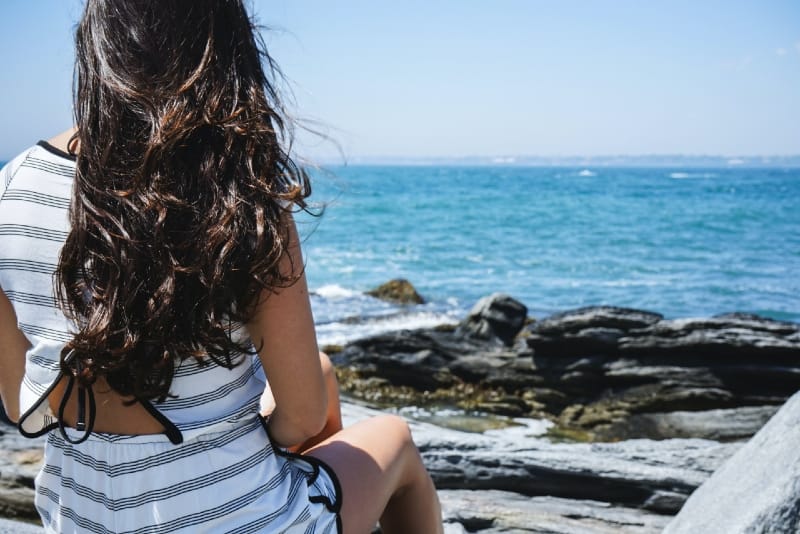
(682, 242)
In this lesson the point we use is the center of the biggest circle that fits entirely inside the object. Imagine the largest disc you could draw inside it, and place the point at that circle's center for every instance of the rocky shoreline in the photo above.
(599, 373)
(643, 410)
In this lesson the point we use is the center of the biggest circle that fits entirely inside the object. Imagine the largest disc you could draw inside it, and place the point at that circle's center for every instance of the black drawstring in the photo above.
(83, 423)
(80, 424)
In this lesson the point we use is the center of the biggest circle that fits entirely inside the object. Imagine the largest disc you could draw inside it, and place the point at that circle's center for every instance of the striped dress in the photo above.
(224, 476)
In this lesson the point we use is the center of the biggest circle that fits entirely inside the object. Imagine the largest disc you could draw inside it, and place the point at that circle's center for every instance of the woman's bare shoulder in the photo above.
(61, 141)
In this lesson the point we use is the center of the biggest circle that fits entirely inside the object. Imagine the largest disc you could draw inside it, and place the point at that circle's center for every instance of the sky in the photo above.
(460, 78)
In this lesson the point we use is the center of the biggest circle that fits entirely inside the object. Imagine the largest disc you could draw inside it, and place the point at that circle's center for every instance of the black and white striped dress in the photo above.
(225, 476)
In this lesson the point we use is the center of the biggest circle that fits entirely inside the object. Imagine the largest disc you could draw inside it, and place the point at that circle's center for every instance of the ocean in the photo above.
(681, 242)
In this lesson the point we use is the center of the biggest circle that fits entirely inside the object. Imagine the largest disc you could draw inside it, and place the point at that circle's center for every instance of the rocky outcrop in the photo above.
(399, 291)
(603, 373)
(496, 317)
(620, 371)
(755, 491)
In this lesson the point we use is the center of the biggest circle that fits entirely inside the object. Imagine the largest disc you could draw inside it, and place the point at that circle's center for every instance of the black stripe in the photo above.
(47, 333)
(174, 489)
(49, 167)
(170, 455)
(45, 362)
(14, 264)
(209, 396)
(36, 232)
(31, 298)
(33, 197)
(6, 176)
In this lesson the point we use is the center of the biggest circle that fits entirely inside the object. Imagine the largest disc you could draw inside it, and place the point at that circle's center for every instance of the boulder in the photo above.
(497, 316)
(398, 291)
(757, 490)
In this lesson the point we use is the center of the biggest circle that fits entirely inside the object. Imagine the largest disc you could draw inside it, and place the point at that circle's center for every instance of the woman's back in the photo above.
(225, 473)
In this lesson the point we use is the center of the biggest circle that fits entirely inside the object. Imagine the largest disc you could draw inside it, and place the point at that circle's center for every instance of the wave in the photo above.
(688, 175)
(351, 328)
(587, 172)
(335, 291)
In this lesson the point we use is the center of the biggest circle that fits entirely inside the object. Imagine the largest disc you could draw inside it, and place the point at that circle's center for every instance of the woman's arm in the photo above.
(13, 345)
(283, 328)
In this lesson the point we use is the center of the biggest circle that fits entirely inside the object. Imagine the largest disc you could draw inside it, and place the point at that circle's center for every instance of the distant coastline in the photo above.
(669, 161)
(645, 161)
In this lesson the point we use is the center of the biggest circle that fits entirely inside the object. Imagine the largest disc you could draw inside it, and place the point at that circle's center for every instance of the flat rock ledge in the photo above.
(504, 483)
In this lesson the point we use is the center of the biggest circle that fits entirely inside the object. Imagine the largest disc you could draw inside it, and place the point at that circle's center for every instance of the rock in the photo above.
(18, 527)
(399, 291)
(501, 511)
(653, 475)
(757, 490)
(20, 459)
(621, 370)
(497, 316)
(720, 425)
(603, 372)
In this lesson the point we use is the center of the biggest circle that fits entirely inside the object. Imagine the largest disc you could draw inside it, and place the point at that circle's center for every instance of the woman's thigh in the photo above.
(369, 460)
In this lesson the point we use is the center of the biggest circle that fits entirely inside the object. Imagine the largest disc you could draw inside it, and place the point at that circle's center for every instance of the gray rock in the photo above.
(20, 459)
(602, 372)
(606, 317)
(655, 475)
(720, 425)
(498, 316)
(500, 511)
(8, 526)
(757, 490)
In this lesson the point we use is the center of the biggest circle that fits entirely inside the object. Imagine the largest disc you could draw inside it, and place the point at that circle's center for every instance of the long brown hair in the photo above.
(183, 180)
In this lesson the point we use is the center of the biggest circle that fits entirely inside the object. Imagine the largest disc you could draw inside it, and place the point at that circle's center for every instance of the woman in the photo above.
(151, 278)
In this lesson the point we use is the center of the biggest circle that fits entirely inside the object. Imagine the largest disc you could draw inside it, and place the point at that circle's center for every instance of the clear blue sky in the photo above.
(481, 77)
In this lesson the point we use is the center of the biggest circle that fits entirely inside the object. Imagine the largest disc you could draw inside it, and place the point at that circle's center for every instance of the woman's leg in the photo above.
(382, 478)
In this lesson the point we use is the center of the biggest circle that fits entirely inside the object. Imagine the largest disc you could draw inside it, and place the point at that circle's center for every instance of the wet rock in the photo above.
(622, 371)
(757, 490)
(399, 291)
(610, 373)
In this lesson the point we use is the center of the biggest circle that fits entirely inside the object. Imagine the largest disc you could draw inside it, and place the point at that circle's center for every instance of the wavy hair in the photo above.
(183, 183)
